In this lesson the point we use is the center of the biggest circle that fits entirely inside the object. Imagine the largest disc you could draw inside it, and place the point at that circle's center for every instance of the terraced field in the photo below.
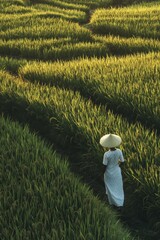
(73, 71)
(138, 20)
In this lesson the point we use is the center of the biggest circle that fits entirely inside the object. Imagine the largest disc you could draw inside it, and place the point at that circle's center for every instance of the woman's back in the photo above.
(112, 158)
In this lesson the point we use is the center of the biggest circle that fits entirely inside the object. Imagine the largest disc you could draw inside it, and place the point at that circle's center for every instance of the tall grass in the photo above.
(68, 14)
(63, 5)
(42, 199)
(70, 3)
(124, 84)
(43, 26)
(132, 21)
(51, 49)
(64, 118)
(135, 2)
(121, 46)
(69, 48)
(11, 65)
(75, 125)
(4, 3)
(16, 10)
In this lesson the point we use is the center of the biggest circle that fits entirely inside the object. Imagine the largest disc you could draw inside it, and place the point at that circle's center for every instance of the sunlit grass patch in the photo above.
(16, 10)
(70, 48)
(66, 5)
(51, 49)
(130, 84)
(43, 26)
(129, 21)
(82, 4)
(6, 3)
(121, 46)
(68, 14)
(92, 3)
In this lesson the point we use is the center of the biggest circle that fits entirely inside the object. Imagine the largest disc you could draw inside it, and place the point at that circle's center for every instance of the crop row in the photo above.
(44, 26)
(4, 3)
(11, 65)
(92, 4)
(51, 49)
(62, 4)
(68, 14)
(77, 125)
(75, 4)
(132, 2)
(122, 46)
(138, 20)
(99, 84)
(68, 48)
(19, 12)
(71, 15)
(124, 84)
(11, 21)
(42, 199)
(16, 9)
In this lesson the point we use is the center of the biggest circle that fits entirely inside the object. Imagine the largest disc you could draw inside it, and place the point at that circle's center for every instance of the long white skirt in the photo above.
(114, 186)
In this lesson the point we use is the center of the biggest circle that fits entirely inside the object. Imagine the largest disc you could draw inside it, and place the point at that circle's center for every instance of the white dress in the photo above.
(113, 177)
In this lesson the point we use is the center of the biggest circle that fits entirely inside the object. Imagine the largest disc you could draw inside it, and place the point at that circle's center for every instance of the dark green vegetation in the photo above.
(75, 94)
(42, 199)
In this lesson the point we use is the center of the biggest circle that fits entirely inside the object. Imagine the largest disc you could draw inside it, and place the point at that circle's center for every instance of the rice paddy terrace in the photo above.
(70, 72)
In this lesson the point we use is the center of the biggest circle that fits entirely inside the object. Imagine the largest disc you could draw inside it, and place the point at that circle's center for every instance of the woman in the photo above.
(112, 176)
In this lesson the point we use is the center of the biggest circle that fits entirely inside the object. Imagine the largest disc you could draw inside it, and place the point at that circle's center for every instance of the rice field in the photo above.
(136, 21)
(126, 89)
(35, 200)
(66, 48)
(47, 27)
(72, 71)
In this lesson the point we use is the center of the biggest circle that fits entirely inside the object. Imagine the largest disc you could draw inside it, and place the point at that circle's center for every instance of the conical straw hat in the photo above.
(110, 140)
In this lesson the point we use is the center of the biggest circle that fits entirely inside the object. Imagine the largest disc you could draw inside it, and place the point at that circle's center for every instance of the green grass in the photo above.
(51, 49)
(4, 3)
(16, 10)
(132, 2)
(43, 26)
(68, 48)
(75, 3)
(120, 83)
(139, 21)
(68, 14)
(122, 46)
(64, 5)
(11, 65)
(42, 199)
(65, 119)
(54, 30)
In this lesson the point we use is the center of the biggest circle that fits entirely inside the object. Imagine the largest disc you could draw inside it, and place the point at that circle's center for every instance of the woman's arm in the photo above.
(121, 157)
(104, 168)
